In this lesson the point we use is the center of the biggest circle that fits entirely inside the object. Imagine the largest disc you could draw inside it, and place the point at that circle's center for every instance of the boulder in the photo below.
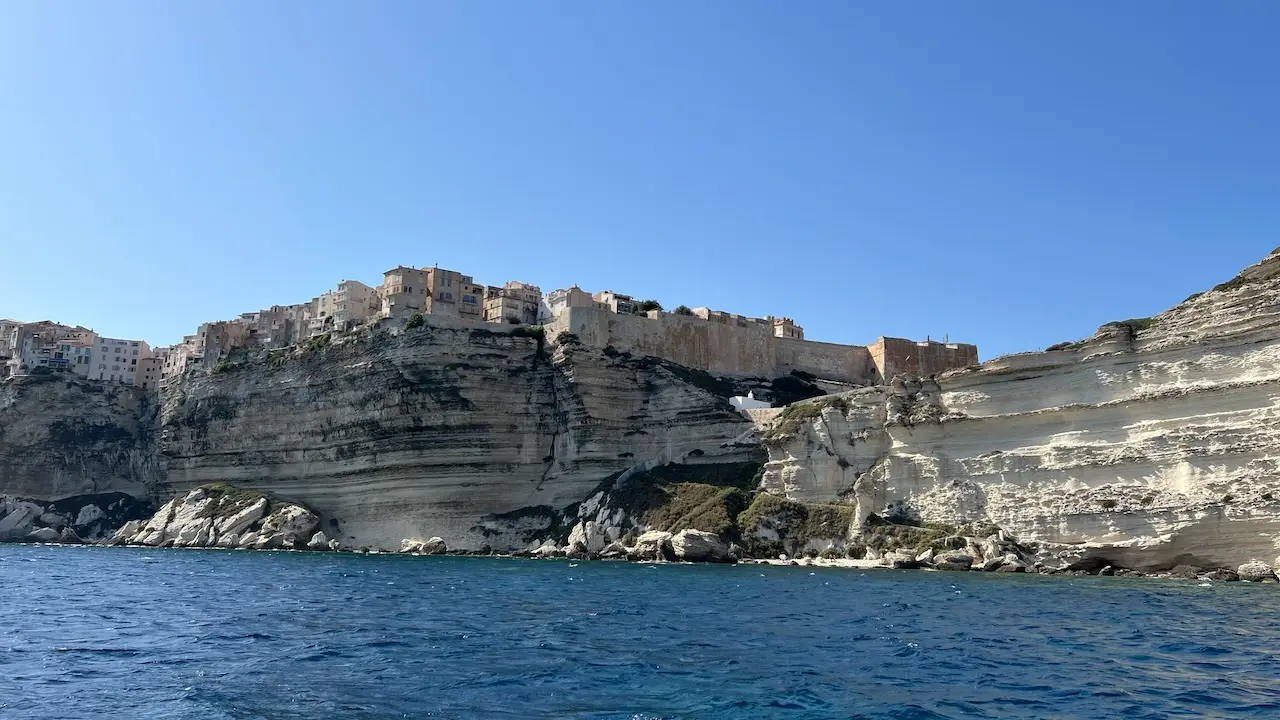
(548, 550)
(290, 521)
(54, 520)
(20, 521)
(590, 534)
(1255, 571)
(334, 545)
(1107, 571)
(902, 560)
(577, 551)
(240, 520)
(69, 537)
(993, 563)
(126, 532)
(411, 547)
(614, 551)
(958, 561)
(1221, 575)
(248, 540)
(654, 545)
(43, 535)
(319, 541)
(228, 541)
(925, 557)
(193, 534)
(88, 515)
(434, 546)
(1186, 572)
(699, 546)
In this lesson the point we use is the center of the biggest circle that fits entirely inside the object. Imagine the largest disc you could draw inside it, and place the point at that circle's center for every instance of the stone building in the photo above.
(558, 300)
(403, 292)
(116, 360)
(515, 302)
(786, 328)
(617, 302)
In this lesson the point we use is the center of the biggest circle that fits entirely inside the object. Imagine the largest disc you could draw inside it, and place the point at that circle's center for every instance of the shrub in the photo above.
(319, 342)
(683, 310)
(221, 366)
(829, 554)
(1108, 504)
(644, 306)
(796, 523)
(527, 331)
(415, 321)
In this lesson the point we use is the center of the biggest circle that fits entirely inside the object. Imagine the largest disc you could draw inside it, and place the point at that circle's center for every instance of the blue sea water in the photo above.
(128, 633)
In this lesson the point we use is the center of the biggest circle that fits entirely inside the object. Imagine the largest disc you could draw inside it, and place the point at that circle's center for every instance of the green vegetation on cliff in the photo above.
(795, 523)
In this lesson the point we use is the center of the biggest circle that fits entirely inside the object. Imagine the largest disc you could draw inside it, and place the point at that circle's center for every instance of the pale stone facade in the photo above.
(616, 302)
(558, 300)
(403, 292)
(116, 359)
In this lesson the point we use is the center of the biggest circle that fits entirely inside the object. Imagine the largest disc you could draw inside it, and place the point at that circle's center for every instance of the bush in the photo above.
(1108, 504)
(644, 306)
(319, 342)
(829, 554)
(684, 310)
(796, 523)
(221, 366)
(527, 331)
(795, 416)
(415, 321)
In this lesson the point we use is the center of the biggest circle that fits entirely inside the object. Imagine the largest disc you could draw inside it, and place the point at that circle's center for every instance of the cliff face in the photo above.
(61, 436)
(477, 436)
(1154, 443)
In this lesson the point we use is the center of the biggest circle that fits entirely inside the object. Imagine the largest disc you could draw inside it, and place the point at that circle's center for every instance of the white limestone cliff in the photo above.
(1154, 443)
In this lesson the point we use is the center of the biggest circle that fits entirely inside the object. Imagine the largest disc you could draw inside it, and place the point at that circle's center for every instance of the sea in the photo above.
(88, 632)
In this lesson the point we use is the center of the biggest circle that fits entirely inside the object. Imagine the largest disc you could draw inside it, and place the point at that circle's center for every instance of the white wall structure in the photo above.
(742, 404)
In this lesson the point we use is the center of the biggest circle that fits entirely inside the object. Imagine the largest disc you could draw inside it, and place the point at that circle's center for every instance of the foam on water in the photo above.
(98, 632)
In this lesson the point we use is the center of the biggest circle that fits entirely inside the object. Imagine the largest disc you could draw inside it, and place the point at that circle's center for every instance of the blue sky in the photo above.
(1009, 174)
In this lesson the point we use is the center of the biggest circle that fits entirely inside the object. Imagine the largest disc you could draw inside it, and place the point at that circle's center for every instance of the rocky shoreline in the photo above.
(225, 517)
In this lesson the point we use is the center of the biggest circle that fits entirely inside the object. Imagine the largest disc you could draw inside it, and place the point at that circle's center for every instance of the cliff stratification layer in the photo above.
(1154, 443)
(478, 436)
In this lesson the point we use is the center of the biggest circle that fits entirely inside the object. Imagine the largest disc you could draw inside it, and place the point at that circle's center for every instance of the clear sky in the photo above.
(1006, 173)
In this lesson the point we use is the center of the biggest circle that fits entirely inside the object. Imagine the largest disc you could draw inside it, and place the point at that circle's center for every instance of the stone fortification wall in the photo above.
(896, 356)
(715, 347)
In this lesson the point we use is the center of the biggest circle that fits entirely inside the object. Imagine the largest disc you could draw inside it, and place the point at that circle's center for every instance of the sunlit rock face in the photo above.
(1155, 442)
(477, 436)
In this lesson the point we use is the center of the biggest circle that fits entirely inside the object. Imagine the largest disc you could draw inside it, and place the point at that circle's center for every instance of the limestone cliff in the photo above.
(61, 436)
(1151, 444)
(479, 436)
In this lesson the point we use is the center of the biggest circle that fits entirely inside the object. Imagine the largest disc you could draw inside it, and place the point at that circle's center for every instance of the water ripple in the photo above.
(240, 636)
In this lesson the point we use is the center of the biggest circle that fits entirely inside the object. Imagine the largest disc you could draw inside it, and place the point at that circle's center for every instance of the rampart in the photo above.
(752, 349)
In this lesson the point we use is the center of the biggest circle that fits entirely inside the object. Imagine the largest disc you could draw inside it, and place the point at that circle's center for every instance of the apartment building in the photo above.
(515, 302)
(116, 360)
(558, 300)
(148, 375)
(403, 292)
(177, 358)
(46, 344)
(452, 294)
(354, 303)
(617, 302)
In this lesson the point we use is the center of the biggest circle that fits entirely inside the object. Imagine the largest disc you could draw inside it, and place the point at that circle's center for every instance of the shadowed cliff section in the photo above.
(427, 432)
(61, 436)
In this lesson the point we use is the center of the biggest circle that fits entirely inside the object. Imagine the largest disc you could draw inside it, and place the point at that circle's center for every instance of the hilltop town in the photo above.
(700, 338)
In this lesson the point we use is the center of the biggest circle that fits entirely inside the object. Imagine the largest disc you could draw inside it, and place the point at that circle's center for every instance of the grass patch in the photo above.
(795, 416)
(227, 500)
(796, 523)
(319, 342)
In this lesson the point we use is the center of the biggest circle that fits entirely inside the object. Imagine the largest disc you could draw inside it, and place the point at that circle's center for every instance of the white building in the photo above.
(748, 403)
(116, 360)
